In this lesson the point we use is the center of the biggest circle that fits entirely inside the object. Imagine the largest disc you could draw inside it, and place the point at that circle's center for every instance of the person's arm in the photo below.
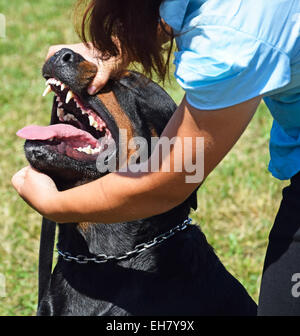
(129, 196)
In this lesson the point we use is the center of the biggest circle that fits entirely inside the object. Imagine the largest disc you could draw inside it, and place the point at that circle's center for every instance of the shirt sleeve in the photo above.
(220, 66)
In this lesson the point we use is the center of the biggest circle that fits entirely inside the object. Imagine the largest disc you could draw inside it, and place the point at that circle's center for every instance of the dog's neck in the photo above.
(117, 239)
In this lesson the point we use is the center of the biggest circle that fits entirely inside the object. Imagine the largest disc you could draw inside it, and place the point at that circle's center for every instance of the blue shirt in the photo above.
(230, 51)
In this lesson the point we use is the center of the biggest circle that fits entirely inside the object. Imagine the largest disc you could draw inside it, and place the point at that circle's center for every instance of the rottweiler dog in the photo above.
(112, 269)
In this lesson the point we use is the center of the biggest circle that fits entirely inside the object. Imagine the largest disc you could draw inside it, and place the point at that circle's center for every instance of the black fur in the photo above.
(182, 276)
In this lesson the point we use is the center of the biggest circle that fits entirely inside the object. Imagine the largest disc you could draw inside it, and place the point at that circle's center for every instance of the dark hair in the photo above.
(136, 24)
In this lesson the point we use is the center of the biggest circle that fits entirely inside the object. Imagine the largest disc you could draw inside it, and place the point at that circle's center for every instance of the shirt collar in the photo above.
(173, 12)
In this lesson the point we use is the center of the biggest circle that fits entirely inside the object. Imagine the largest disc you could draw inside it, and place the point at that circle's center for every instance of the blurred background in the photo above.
(237, 203)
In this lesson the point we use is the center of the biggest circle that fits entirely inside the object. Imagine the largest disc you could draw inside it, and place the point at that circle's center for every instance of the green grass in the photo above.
(237, 203)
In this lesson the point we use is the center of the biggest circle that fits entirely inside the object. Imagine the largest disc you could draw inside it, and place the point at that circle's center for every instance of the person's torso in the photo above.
(275, 23)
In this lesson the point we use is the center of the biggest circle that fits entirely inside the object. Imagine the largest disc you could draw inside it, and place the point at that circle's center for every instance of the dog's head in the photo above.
(83, 126)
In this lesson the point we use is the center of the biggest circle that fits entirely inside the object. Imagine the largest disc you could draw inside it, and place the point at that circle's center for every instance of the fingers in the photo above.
(100, 80)
(53, 49)
(104, 68)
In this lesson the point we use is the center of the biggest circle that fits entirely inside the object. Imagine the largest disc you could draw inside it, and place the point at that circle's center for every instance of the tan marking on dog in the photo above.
(122, 120)
(153, 132)
(86, 72)
(85, 225)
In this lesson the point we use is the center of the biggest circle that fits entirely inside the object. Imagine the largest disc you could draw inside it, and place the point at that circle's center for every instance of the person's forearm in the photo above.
(116, 198)
(123, 197)
(119, 197)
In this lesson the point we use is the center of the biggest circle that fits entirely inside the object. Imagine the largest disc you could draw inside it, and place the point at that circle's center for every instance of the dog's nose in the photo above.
(65, 57)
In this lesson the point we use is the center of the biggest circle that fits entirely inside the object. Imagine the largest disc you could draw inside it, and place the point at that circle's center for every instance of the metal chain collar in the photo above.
(103, 258)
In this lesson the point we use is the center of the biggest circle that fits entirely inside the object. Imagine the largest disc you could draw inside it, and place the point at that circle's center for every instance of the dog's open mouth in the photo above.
(79, 132)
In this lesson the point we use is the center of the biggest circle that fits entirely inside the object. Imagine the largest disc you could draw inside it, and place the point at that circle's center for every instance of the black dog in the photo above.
(179, 276)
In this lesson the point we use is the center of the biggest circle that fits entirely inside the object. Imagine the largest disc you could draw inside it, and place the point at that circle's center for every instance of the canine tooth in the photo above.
(63, 86)
(48, 90)
(70, 95)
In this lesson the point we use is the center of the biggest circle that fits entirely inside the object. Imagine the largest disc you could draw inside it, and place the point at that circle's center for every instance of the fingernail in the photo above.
(92, 90)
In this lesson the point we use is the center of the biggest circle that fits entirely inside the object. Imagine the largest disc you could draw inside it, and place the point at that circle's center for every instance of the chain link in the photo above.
(103, 258)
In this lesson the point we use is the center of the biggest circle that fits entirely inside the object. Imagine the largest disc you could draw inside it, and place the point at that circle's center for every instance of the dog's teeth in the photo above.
(96, 150)
(60, 113)
(60, 104)
(63, 86)
(48, 90)
(69, 117)
(89, 150)
(91, 120)
(70, 95)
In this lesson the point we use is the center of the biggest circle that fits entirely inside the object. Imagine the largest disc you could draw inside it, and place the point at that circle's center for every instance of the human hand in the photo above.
(106, 68)
(38, 190)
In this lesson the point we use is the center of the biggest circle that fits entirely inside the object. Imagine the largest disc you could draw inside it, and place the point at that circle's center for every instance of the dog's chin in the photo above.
(66, 171)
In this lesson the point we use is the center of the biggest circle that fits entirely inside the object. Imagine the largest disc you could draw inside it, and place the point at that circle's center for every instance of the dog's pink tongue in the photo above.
(58, 131)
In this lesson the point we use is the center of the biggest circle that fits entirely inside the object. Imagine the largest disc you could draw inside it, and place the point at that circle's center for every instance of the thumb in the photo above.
(100, 80)
(19, 178)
